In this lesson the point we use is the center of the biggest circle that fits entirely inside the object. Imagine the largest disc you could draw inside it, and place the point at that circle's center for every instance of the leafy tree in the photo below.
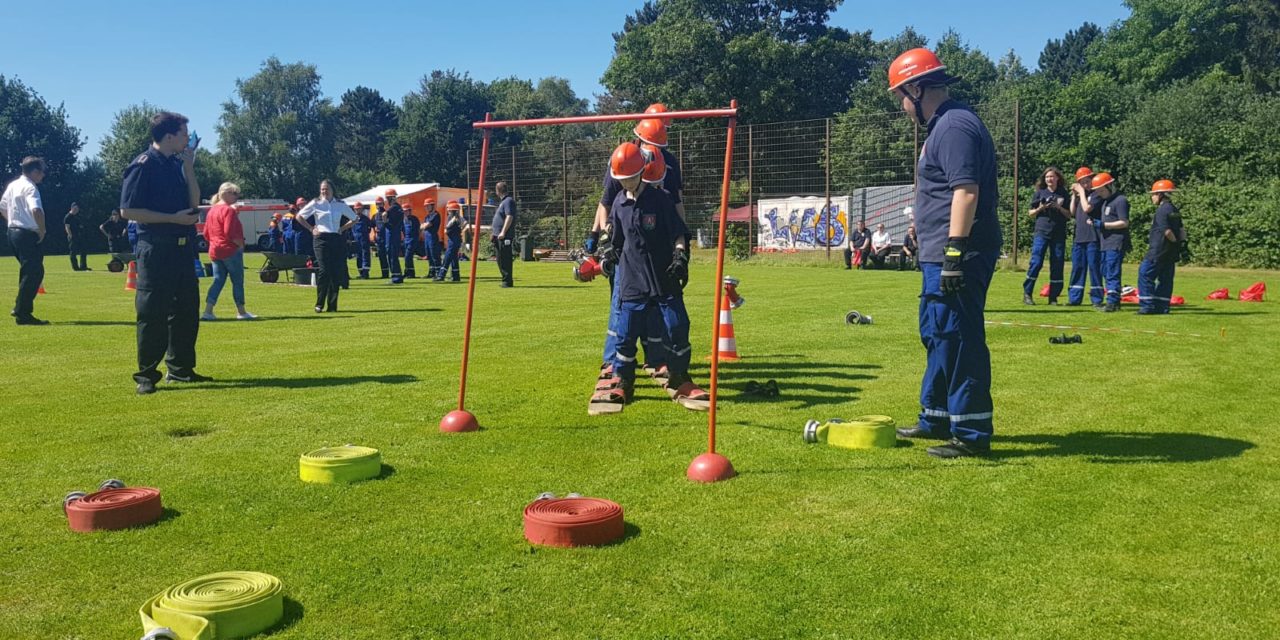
(1064, 59)
(30, 126)
(364, 120)
(277, 138)
(1167, 40)
(129, 136)
(1261, 47)
(435, 129)
(1010, 68)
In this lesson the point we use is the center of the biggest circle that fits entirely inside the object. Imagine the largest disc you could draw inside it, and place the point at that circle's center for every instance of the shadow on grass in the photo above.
(386, 472)
(342, 312)
(293, 611)
(735, 376)
(1125, 447)
(295, 383)
(98, 323)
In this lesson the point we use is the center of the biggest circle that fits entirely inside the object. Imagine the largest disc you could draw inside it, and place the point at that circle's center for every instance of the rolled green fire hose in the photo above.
(218, 606)
(863, 432)
(348, 463)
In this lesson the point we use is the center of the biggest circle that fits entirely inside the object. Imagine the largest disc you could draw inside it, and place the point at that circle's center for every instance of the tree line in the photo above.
(1180, 89)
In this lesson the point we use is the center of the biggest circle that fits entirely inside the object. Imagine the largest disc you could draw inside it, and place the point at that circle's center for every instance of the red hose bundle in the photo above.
(573, 522)
(114, 509)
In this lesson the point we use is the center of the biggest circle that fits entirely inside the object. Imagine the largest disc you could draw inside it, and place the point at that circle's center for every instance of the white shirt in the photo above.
(881, 239)
(329, 214)
(20, 199)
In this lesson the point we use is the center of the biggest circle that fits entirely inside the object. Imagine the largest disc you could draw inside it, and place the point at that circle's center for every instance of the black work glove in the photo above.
(953, 265)
(608, 262)
(679, 269)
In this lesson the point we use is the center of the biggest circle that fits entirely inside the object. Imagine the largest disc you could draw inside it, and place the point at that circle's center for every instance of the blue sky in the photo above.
(97, 57)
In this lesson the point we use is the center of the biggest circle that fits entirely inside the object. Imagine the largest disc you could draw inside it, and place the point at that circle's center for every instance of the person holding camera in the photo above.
(161, 194)
(1049, 210)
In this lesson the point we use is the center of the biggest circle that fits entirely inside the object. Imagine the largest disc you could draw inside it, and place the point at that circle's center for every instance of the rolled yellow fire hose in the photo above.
(230, 604)
(348, 463)
(863, 432)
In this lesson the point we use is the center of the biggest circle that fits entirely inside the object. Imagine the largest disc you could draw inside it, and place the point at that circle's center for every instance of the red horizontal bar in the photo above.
(616, 117)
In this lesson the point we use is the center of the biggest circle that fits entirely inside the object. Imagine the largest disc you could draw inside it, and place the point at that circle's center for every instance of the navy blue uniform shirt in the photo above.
(432, 224)
(506, 209)
(672, 183)
(645, 231)
(1051, 223)
(156, 182)
(411, 227)
(1085, 232)
(958, 150)
(1114, 209)
(395, 221)
(1167, 219)
(361, 228)
(453, 228)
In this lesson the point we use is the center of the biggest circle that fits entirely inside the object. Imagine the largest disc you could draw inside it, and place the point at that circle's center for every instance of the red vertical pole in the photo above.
(715, 332)
(475, 253)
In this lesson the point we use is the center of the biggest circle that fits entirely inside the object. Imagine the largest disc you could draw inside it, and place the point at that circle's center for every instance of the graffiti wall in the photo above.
(803, 223)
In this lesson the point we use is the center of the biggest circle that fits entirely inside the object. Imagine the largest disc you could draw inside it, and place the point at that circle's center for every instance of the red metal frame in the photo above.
(489, 123)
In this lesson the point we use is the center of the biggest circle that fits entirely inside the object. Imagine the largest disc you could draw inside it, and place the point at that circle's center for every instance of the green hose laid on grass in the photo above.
(349, 463)
(230, 604)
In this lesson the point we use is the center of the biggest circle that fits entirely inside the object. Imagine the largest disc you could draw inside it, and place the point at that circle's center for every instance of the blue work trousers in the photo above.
(955, 394)
(656, 348)
(450, 260)
(636, 320)
(1112, 262)
(1057, 250)
(1155, 285)
(431, 244)
(1086, 259)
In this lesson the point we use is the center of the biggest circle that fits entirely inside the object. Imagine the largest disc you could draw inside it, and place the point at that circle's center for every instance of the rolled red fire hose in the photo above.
(114, 509)
(573, 522)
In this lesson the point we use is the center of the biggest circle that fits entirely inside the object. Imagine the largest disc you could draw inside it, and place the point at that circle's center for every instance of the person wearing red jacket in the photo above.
(225, 235)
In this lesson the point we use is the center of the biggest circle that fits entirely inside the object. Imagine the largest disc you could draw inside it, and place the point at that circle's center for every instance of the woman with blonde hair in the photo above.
(225, 235)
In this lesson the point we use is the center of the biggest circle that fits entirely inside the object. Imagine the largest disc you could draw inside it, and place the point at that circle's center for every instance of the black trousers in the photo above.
(331, 258)
(26, 247)
(506, 257)
(168, 307)
(77, 247)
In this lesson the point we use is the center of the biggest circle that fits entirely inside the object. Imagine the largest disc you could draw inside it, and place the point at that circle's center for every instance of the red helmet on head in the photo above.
(1082, 173)
(653, 131)
(300, 202)
(913, 65)
(390, 193)
(656, 169)
(627, 161)
(1163, 186)
(657, 107)
(453, 206)
(429, 203)
(1102, 179)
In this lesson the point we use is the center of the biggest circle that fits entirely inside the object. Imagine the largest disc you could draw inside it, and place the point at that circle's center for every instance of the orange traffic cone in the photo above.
(727, 344)
(41, 289)
(131, 279)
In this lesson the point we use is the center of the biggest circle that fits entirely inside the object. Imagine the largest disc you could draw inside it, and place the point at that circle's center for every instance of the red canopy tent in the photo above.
(737, 214)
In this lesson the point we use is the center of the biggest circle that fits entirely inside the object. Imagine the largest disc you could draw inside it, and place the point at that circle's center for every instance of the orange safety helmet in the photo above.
(627, 161)
(657, 107)
(1082, 173)
(390, 193)
(430, 203)
(656, 169)
(453, 206)
(1163, 186)
(913, 65)
(1102, 179)
(653, 131)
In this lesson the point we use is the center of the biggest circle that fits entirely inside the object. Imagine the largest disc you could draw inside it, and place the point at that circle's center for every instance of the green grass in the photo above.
(1133, 492)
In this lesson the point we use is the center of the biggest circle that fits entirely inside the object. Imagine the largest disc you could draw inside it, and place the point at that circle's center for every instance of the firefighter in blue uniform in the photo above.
(1113, 226)
(1049, 210)
(412, 228)
(275, 235)
(960, 241)
(1086, 251)
(391, 225)
(1155, 275)
(160, 193)
(453, 230)
(361, 233)
(304, 242)
(431, 237)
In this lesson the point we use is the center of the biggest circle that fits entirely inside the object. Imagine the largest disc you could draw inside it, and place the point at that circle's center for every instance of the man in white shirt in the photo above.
(881, 243)
(23, 213)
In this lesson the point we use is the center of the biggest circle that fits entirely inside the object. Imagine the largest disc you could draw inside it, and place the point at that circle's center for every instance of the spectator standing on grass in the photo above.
(392, 226)
(454, 228)
(225, 235)
(1086, 249)
(910, 248)
(431, 237)
(503, 232)
(325, 219)
(1049, 210)
(161, 194)
(1155, 275)
(77, 244)
(113, 228)
(960, 240)
(1113, 228)
(23, 212)
(881, 244)
(412, 229)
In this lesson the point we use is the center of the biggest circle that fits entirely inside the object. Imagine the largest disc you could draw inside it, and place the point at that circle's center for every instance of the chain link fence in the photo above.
(795, 186)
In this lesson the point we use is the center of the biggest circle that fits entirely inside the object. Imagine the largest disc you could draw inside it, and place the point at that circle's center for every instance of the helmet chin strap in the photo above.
(915, 103)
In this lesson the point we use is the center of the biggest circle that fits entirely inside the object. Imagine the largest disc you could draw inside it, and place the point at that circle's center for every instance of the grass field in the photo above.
(1134, 490)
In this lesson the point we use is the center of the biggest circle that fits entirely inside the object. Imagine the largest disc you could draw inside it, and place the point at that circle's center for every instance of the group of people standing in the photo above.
(1100, 213)
(395, 231)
